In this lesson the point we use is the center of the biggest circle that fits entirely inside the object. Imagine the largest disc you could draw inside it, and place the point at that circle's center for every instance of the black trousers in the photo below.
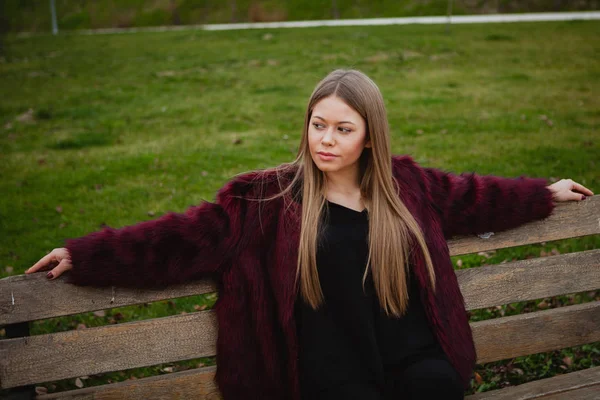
(430, 378)
(426, 379)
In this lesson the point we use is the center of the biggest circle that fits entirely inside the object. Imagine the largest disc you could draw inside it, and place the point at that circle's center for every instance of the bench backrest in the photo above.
(28, 360)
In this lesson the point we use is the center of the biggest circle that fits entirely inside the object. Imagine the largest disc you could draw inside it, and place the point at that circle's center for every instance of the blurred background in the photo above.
(34, 15)
(113, 129)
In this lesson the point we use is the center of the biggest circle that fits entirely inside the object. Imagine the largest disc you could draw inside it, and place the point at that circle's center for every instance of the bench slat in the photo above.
(523, 280)
(568, 220)
(193, 384)
(583, 384)
(136, 344)
(37, 298)
(536, 332)
(55, 356)
(199, 384)
(486, 286)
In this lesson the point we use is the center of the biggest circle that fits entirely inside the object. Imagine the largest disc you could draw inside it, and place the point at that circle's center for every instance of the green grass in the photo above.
(124, 128)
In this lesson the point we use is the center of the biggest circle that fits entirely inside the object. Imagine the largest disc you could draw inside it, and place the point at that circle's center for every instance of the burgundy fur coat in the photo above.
(253, 255)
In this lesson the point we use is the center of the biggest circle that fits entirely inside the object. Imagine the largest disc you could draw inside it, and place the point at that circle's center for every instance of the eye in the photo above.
(317, 125)
(345, 130)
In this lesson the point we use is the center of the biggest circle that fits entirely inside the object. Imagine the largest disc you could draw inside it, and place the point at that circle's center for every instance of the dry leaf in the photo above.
(568, 360)
(40, 390)
(81, 326)
(9, 269)
(168, 369)
(59, 209)
(478, 378)
(200, 308)
(78, 383)
(100, 313)
(459, 262)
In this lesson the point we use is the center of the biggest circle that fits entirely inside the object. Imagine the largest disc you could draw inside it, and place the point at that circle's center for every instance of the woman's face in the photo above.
(336, 128)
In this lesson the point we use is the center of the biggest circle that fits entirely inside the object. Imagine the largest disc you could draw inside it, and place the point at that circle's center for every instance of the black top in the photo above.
(349, 338)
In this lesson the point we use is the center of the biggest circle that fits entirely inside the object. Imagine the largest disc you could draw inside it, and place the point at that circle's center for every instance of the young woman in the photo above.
(334, 274)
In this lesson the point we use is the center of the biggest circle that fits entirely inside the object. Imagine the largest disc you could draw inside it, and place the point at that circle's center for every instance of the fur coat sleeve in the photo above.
(470, 203)
(175, 248)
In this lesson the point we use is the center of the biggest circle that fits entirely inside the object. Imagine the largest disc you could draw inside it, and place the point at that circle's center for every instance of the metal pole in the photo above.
(449, 15)
(53, 12)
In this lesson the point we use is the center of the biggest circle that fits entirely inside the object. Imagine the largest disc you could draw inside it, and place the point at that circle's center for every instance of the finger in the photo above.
(44, 261)
(582, 189)
(62, 266)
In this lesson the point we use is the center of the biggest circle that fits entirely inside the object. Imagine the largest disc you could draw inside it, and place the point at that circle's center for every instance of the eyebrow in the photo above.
(341, 122)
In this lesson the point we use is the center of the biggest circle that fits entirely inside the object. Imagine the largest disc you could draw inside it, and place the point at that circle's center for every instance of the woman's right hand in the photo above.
(59, 256)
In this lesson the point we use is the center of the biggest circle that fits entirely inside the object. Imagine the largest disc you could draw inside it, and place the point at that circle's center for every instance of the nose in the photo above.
(327, 139)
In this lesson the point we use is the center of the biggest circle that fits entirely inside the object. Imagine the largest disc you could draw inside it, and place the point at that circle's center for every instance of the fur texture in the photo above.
(251, 251)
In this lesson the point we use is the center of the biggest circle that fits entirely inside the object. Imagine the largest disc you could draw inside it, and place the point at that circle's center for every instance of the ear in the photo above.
(368, 143)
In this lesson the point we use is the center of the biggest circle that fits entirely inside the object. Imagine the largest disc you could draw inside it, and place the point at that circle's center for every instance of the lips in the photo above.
(326, 154)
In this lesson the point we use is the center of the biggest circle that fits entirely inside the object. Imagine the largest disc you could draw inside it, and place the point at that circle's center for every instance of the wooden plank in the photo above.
(55, 356)
(536, 332)
(574, 385)
(35, 297)
(192, 384)
(568, 220)
(524, 280)
(117, 347)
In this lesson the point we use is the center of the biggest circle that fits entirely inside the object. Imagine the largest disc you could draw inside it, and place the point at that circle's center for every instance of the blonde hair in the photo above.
(392, 228)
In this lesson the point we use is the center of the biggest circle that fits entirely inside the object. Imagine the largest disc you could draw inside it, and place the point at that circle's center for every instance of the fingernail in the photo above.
(583, 197)
(50, 275)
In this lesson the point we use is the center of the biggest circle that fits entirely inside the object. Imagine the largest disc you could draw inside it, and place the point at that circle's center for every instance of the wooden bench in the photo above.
(27, 360)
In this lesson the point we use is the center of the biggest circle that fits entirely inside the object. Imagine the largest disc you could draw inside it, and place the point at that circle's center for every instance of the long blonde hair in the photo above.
(392, 228)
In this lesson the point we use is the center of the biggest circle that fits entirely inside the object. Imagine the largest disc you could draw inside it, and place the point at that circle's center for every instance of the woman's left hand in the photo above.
(567, 189)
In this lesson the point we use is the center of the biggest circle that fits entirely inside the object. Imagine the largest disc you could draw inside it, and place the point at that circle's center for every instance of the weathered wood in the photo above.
(485, 286)
(536, 332)
(583, 384)
(136, 344)
(568, 220)
(192, 384)
(524, 280)
(91, 351)
(35, 297)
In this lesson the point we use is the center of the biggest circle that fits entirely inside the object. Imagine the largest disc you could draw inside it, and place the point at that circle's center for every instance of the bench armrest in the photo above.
(471, 204)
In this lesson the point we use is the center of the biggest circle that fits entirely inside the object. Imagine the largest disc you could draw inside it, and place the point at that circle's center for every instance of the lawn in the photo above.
(117, 129)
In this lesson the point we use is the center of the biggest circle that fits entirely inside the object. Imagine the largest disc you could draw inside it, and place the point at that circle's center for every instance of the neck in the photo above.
(343, 182)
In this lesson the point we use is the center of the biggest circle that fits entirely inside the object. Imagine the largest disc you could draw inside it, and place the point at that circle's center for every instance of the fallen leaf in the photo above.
(59, 209)
(168, 369)
(118, 316)
(200, 308)
(151, 213)
(40, 390)
(543, 304)
(568, 360)
(459, 262)
(81, 326)
(267, 36)
(9, 269)
(478, 378)
(78, 383)
(27, 116)
(100, 313)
